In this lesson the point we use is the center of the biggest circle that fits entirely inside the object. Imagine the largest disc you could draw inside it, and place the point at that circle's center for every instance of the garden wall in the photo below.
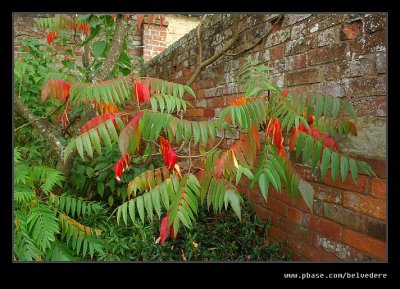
(343, 55)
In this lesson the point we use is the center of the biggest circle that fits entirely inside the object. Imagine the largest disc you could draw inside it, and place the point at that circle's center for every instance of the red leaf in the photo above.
(105, 108)
(130, 133)
(142, 93)
(150, 20)
(256, 136)
(96, 121)
(200, 173)
(238, 101)
(276, 129)
(50, 37)
(84, 27)
(353, 128)
(310, 120)
(269, 127)
(164, 229)
(169, 155)
(161, 21)
(55, 88)
(135, 120)
(122, 164)
(302, 127)
(139, 19)
(219, 167)
(326, 140)
(293, 139)
(285, 92)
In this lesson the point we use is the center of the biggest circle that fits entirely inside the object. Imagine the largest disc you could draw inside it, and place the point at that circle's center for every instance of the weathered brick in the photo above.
(276, 206)
(300, 45)
(369, 105)
(299, 232)
(327, 194)
(305, 171)
(371, 246)
(381, 62)
(331, 88)
(277, 52)
(298, 31)
(325, 227)
(305, 76)
(360, 66)
(299, 203)
(211, 92)
(368, 44)
(350, 31)
(291, 19)
(277, 234)
(278, 79)
(331, 20)
(318, 208)
(374, 22)
(294, 215)
(378, 188)
(366, 86)
(199, 103)
(317, 254)
(257, 197)
(296, 62)
(328, 36)
(278, 37)
(376, 228)
(267, 215)
(294, 245)
(349, 184)
(365, 204)
(341, 251)
(327, 54)
(216, 102)
(345, 217)
(200, 112)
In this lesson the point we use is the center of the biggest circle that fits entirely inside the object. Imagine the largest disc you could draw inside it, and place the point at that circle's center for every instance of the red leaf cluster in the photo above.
(50, 37)
(122, 164)
(277, 138)
(244, 151)
(135, 120)
(139, 19)
(285, 92)
(236, 102)
(96, 121)
(84, 27)
(55, 88)
(104, 108)
(169, 155)
(142, 92)
(327, 141)
(166, 230)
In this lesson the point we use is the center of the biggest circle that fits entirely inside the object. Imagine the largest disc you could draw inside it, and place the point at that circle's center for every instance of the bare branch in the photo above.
(226, 47)
(257, 41)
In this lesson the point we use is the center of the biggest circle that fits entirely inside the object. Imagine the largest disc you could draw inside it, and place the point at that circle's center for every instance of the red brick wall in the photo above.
(154, 40)
(343, 55)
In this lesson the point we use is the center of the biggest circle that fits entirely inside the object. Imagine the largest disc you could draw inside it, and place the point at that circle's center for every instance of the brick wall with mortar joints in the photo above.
(343, 55)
